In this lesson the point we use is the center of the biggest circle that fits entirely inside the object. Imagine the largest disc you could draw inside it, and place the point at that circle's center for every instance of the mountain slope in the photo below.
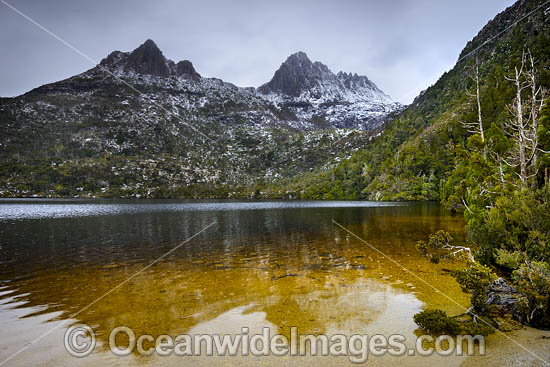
(415, 155)
(312, 91)
(141, 124)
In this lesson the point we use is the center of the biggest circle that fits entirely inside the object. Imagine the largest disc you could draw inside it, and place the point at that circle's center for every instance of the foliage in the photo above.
(508, 260)
(437, 322)
(533, 281)
(434, 246)
(518, 226)
(426, 153)
(471, 327)
(474, 279)
(440, 246)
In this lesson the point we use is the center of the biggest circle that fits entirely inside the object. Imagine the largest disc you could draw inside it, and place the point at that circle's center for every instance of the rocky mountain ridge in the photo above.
(312, 91)
(141, 124)
(148, 59)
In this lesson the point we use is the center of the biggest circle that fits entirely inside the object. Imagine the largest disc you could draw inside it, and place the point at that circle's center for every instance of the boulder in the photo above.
(506, 297)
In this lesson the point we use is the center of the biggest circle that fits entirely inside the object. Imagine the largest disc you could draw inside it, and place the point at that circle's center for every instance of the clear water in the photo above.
(279, 264)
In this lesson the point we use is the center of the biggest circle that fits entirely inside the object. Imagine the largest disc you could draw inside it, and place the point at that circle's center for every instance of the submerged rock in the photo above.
(284, 276)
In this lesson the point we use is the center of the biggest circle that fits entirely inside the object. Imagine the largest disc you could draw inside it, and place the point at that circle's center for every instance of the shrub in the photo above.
(533, 281)
(437, 322)
(475, 278)
(476, 328)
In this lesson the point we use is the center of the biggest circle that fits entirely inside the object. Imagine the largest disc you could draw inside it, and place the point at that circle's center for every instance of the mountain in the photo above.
(139, 124)
(148, 59)
(420, 151)
(312, 91)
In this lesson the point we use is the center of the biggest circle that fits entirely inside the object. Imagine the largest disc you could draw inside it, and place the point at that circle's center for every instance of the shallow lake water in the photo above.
(109, 263)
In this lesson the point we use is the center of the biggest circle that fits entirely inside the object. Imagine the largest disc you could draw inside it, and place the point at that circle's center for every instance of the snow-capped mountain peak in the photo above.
(174, 128)
(148, 59)
(314, 95)
(296, 75)
(312, 90)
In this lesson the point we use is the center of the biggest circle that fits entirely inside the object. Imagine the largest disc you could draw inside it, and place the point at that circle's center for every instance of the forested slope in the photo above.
(416, 153)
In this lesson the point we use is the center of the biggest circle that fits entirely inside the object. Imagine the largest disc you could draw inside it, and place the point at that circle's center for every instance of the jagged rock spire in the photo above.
(294, 75)
(185, 68)
(298, 74)
(148, 59)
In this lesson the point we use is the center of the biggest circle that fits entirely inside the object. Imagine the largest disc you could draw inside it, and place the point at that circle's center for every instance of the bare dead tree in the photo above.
(477, 126)
(499, 159)
(522, 128)
(478, 100)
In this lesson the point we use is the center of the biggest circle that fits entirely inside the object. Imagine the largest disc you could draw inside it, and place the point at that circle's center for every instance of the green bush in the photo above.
(434, 248)
(533, 281)
(474, 279)
(476, 328)
(437, 322)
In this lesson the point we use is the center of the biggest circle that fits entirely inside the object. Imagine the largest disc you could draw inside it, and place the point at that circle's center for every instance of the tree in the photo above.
(523, 127)
(440, 246)
(474, 278)
(477, 126)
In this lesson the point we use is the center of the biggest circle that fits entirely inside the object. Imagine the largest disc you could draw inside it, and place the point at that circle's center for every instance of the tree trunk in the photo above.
(521, 132)
(479, 111)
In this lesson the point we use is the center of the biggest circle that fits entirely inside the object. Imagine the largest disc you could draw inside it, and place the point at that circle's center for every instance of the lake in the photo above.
(173, 267)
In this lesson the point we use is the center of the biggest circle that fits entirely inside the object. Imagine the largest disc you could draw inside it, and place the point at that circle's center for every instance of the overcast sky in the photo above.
(402, 45)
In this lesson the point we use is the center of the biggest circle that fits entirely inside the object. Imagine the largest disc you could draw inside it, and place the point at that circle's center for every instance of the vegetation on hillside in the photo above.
(416, 156)
(500, 180)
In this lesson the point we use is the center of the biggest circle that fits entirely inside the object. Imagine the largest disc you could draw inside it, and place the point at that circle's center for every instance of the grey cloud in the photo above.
(402, 45)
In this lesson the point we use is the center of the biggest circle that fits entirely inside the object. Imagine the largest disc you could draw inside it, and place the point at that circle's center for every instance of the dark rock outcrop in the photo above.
(148, 59)
(503, 295)
(310, 90)
(185, 68)
(295, 75)
(298, 74)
